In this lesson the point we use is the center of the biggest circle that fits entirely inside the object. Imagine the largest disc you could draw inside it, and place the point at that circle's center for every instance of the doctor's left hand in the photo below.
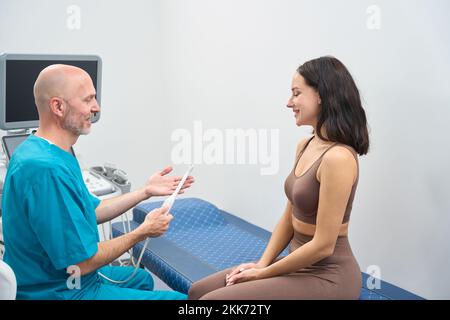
(159, 184)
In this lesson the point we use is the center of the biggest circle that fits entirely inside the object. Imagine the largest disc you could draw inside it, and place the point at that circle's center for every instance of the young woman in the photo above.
(320, 191)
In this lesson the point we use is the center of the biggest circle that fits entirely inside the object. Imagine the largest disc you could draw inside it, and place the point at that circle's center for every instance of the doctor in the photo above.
(50, 219)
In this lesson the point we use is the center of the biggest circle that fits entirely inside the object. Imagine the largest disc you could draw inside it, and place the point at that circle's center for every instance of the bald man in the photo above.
(50, 219)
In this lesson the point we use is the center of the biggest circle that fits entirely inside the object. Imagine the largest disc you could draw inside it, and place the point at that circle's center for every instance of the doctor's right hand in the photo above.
(155, 224)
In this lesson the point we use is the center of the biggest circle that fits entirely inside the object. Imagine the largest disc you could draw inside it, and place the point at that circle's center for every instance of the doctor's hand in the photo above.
(155, 224)
(159, 184)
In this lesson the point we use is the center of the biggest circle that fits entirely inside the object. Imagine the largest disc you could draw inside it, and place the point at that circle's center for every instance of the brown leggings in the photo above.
(335, 277)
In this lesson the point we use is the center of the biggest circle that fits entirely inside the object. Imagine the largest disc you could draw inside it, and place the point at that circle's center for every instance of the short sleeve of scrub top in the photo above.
(62, 223)
(94, 200)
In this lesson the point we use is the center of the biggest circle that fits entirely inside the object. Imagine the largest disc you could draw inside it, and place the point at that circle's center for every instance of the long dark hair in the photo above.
(341, 112)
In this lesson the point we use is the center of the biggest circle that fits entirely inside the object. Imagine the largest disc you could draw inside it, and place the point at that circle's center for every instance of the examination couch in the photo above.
(202, 239)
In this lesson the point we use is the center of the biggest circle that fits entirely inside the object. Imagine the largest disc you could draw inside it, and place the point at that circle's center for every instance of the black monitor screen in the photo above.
(19, 83)
(10, 144)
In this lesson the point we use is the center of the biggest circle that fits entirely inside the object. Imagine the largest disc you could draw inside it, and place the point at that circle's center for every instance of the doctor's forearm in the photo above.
(108, 251)
(109, 209)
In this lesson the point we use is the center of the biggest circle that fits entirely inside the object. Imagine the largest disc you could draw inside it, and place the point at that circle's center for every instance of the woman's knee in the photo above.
(213, 295)
(194, 291)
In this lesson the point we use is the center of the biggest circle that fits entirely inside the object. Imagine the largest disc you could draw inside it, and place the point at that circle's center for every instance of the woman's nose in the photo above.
(289, 104)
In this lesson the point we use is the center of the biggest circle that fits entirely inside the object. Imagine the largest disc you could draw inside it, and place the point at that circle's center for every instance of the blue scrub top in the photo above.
(49, 220)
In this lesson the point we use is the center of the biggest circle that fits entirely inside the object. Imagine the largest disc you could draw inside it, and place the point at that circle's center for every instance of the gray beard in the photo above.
(70, 124)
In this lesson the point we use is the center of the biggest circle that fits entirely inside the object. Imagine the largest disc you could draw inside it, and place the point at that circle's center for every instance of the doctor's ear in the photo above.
(57, 106)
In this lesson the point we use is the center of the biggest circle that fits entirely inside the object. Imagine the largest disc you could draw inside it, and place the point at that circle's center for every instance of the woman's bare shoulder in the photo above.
(339, 159)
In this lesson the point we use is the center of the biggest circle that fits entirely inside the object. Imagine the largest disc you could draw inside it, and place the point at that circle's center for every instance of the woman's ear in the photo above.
(319, 101)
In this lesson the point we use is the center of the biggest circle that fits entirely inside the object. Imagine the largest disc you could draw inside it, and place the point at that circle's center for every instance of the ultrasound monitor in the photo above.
(18, 73)
(11, 142)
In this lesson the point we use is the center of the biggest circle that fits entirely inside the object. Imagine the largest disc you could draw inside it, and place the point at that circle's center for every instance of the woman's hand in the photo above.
(231, 277)
(246, 275)
(159, 184)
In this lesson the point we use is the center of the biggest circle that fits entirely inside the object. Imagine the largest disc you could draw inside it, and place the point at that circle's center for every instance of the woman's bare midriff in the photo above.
(309, 229)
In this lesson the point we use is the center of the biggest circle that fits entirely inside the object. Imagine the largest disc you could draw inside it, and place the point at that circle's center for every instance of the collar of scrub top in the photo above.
(46, 140)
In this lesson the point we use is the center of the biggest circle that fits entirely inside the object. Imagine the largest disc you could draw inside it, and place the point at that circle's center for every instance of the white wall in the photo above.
(229, 64)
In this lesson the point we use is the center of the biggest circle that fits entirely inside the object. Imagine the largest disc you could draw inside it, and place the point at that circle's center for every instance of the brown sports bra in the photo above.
(303, 191)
